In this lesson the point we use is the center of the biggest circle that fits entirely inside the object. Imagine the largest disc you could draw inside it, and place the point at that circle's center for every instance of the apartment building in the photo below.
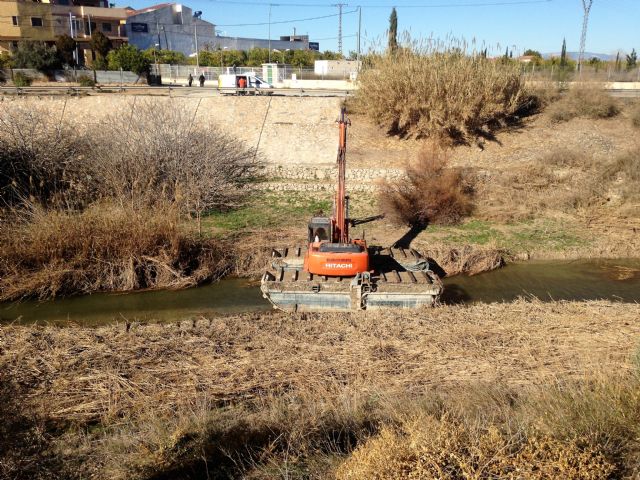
(45, 21)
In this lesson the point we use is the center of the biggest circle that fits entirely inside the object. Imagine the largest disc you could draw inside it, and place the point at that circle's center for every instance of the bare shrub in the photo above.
(439, 91)
(152, 152)
(49, 253)
(38, 155)
(583, 101)
(430, 193)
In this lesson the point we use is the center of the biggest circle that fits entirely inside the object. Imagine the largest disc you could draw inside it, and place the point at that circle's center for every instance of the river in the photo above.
(616, 280)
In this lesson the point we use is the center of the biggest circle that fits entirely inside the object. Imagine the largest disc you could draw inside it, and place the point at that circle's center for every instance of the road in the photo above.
(172, 91)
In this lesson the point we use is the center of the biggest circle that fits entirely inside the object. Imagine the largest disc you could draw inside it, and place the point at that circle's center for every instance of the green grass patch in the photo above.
(517, 237)
(271, 210)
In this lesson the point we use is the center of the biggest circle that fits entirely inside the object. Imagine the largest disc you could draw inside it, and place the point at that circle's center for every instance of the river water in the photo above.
(617, 280)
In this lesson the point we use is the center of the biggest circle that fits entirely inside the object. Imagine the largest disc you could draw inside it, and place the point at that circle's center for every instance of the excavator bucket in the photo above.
(400, 278)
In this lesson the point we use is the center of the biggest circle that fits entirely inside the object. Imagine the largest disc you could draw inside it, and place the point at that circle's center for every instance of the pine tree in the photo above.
(632, 60)
(393, 30)
(563, 54)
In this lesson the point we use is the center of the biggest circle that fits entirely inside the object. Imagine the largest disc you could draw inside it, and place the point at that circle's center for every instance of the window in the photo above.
(89, 27)
(36, 21)
(106, 27)
(14, 21)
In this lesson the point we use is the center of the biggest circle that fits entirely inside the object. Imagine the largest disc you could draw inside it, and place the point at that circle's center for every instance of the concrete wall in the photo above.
(297, 131)
(241, 43)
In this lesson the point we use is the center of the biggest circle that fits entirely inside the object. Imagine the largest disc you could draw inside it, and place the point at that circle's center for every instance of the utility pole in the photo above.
(339, 5)
(358, 45)
(196, 16)
(586, 7)
(270, 5)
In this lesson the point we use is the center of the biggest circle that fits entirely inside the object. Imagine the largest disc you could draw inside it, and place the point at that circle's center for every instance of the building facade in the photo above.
(44, 22)
(241, 43)
(172, 26)
(169, 26)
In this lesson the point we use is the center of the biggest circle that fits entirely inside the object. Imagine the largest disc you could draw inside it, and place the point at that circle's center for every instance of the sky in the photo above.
(519, 24)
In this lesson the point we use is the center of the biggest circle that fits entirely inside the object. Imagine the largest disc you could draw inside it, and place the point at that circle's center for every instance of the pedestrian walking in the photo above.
(190, 79)
(201, 78)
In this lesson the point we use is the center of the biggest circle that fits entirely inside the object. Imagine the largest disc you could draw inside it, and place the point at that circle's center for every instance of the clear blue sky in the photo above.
(613, 25)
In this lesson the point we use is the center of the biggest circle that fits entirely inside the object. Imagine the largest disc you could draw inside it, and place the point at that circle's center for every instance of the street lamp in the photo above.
(196, 17)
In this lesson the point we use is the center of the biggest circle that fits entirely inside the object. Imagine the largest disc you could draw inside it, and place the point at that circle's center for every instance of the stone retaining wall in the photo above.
(300, 172)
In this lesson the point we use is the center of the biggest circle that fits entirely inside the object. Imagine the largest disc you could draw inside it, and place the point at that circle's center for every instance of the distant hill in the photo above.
(574, 55)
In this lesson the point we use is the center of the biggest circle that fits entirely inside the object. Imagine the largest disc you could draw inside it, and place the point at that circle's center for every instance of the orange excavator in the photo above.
(331, 252)
(337, 272)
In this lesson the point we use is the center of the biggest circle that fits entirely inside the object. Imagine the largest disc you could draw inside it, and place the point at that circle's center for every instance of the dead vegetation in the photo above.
(50, 253)
(222, 397)
(635, 116)
(430, 193)
(108, 206)
(583, 101)
(561, 182)
(439, 91)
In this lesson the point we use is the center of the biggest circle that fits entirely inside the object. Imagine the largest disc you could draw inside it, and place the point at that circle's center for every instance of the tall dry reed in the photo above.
(439, 90)
(48, 253)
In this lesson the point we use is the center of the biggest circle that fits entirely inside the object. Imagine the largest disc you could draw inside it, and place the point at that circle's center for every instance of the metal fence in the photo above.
(176, 73)
(605, 73)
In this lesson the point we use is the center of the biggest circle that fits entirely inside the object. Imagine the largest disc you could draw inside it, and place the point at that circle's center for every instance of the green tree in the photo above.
(329, 55)
(5, 60)
(66, 46)
(129, 58)
(617, 64)
(36, 55)
(100, 44)
(532, 53)
(632, 59)
(393, 30)
(170, 57)
(257, 56)
(563, 54)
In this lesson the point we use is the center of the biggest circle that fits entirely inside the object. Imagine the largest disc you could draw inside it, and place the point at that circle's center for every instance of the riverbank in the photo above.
(262, 394)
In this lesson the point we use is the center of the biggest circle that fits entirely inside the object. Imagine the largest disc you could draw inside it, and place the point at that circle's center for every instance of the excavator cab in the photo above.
(319, 227)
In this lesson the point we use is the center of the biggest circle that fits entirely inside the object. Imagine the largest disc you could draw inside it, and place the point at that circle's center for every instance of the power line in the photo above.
(286, 21)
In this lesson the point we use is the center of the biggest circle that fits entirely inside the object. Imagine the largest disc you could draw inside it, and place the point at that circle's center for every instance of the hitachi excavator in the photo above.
(337, 272)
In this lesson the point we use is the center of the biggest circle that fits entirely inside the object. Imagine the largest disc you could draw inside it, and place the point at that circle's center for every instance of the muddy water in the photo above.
(617, 280)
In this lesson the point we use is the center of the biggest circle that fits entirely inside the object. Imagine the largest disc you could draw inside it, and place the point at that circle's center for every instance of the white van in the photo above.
(232, 84)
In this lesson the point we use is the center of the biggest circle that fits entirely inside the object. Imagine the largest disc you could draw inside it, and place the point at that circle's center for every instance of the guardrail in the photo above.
(166, 89)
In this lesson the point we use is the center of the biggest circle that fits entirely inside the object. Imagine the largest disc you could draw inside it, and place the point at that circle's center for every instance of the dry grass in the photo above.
(635, 115)
(561, 182)
(224, 394)
(428, 447)
(439, 91)
(430, 193)
(49, 253)
(583, 101)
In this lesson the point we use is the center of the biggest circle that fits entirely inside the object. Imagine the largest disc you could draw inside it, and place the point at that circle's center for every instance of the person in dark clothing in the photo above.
(190, 79)
(201, 78)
